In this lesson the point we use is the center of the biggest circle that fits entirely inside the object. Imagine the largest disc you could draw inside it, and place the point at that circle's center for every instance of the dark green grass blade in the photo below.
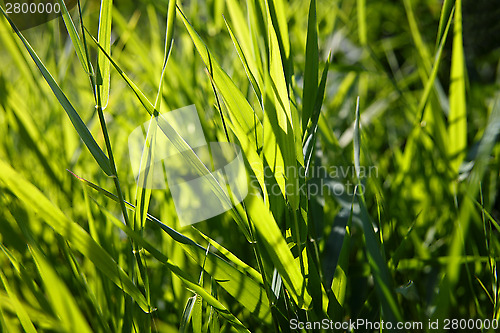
(104, 37)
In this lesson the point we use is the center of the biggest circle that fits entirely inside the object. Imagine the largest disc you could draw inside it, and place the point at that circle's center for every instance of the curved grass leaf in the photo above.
(240, 281)
(104, 38)
(69, 230)
(59, 295)
(77, 122)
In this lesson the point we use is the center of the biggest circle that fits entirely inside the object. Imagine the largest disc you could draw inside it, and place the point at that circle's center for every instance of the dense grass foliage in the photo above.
(369, 132)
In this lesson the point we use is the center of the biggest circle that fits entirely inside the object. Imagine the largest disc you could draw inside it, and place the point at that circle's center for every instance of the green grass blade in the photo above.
(178, 271)
(430, 82)
(75, 38)
(311, 69)
(77, 122)
(169, 40)
(284, 125)
(310, 138)
(241, 281)
(104, 38)
(246, 63)
(457, 121)
(20, 311)
(196, 316)
(72, 232)
(278, 250)
(240, 110)
(339, 282)
(59, 295)
(186, 315)
(362, 29)
(446, 12)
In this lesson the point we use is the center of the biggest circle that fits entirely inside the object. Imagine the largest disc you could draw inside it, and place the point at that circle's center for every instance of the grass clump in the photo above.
(369, 137)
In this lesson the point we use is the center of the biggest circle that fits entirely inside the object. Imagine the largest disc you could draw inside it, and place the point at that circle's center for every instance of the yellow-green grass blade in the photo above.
(75, 38)
(276, 12)
(239, 109)
(242, 266)
(457, 121)
(311, 68)
(283, 125)
(187, 152)
(18, 308)
(311, 133)
(69, 230)
(239, 280)
(180, 273)
(247, 62)
(446, 12)
(244, 123)
(77, 122)
(59, 296)
(433, 74)
(339, 282)
(196, 316)
(362, 27)
(417, 37)
(140, 95)
(243, 42)
(277, 248)
(186, 315)
(169, 39)
(486, 146)
(104, 38)
(42, 319)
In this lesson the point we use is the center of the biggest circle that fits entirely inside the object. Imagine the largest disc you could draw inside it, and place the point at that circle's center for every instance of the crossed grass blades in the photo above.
(89, 250)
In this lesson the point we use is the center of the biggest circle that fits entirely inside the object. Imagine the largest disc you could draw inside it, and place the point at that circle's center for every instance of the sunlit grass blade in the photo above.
(339, 282)
(246, 63)
(311, 68)
(484, 150)
(243, 43)
(457, 120)
(446, 12)
(241, 281)
(179, 272)
(432, 77)
(244, 124)
(278, 250)
(59, 295)
(77, 122)
(75, 38)
(187, 152)
(72, 232)
(186, 315)
(20, 311)
(169, 40)
(283, 156)
(103, 79)
(240, 110)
